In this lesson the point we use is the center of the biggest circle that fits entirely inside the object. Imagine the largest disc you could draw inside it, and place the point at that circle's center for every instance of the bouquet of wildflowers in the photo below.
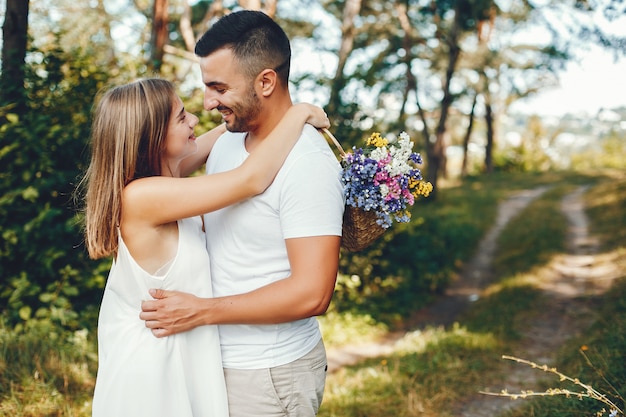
(383, 178)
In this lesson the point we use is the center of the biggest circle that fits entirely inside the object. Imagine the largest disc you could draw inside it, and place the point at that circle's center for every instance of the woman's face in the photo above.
(180, 141)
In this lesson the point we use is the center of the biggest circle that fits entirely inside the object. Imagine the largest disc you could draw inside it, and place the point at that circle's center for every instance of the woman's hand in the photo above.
(317, 116)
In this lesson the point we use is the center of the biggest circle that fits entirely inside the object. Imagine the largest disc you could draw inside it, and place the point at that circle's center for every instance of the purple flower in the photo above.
(383, 177)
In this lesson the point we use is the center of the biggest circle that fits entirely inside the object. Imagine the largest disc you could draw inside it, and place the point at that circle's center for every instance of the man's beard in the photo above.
(245, 113)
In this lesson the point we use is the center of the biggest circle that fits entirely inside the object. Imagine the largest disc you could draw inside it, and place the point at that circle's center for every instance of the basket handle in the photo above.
(335, 141)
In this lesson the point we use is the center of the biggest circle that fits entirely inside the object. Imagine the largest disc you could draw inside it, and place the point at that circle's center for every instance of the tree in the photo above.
(350, 12)
(14, 32)
(177, 25)
(504, 61)
(159, 34)
(451, 22)
(406, 54)
(468, 135)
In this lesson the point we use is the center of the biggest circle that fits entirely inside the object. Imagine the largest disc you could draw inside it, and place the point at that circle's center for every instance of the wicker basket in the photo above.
(359, 229)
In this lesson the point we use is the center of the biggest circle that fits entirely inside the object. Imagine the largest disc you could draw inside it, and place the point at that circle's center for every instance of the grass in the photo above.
(580, 390)
(46, 372)
(420, 378)
(534, 237)
(347, 328)
(597, 357)
(439, 368)
(607, 210)
(529, 241)
(595, 360)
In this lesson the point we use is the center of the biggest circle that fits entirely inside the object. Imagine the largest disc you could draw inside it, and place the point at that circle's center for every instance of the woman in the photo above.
(142, 209)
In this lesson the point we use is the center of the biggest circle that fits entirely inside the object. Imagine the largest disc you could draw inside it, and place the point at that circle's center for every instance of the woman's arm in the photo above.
(160, 200)
(267, 157)
(205, 143)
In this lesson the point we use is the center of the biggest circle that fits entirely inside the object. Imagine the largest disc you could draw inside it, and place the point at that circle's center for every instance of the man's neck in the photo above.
(267, 122)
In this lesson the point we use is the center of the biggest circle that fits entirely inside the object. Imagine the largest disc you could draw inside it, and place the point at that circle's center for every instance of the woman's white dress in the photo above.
(141, 375)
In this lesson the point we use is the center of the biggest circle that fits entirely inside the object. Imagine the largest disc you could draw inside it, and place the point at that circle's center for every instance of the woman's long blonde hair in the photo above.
(127, 139)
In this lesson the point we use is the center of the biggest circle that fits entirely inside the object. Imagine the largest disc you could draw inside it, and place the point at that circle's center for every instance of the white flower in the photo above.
(379, 153)
(398, 167)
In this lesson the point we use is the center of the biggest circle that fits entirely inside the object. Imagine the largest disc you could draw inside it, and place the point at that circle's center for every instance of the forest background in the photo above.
(444, 71)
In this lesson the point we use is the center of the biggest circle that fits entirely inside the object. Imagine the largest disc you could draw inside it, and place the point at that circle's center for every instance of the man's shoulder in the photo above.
(310, 131)
(312, 141)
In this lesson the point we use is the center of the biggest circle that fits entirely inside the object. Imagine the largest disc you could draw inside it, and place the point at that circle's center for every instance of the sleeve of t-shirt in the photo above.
(311, 202)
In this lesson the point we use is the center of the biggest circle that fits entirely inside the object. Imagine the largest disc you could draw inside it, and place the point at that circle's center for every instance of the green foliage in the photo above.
(400, 272)
(44, 151)
(530, 155)
(470, 12)
(344, 328)
(44, 269)
(611, 153)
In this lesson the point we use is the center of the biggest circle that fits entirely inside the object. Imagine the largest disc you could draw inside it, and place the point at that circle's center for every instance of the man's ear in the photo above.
(266, 82)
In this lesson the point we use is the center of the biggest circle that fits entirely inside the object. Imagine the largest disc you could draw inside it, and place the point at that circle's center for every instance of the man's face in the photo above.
(229, 91)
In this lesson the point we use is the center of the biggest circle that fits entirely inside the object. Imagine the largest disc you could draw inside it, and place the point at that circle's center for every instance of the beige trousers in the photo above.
(292, 390)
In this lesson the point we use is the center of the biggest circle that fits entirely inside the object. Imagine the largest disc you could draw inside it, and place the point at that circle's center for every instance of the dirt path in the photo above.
(473, 278)
(567, 280)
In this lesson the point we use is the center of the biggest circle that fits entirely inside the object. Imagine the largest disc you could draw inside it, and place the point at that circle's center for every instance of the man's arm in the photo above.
(305, 293)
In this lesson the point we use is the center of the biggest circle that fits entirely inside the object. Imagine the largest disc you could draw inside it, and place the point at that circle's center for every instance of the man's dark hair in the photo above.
(257, 42)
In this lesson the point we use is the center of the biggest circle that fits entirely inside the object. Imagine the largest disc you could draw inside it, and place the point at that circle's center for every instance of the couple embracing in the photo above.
(210, 305)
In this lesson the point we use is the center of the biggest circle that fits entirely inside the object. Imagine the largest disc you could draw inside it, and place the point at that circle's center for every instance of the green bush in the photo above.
(44, 269)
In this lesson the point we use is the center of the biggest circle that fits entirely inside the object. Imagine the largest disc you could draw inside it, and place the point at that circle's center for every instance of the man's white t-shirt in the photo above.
(246, 242)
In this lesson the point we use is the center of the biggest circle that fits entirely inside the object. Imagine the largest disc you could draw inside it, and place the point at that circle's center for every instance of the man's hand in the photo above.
(170, 312)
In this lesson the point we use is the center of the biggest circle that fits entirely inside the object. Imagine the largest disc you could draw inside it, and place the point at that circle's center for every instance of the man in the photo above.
(274, 257)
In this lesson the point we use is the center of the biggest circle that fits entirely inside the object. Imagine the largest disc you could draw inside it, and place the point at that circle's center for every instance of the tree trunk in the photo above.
(437, 151)
(250, 4)
(216, 9)
(350, 11)
(14, 34)
(490, 135)
(159, 34)
(185, 28)
(411, 80)
(270, 8)
(468, 136)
